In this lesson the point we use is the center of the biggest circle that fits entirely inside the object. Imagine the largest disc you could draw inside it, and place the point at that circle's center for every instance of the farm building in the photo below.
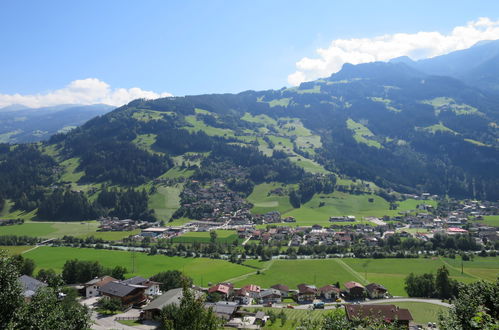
(355, 290)
(386, 313)
(376, 291)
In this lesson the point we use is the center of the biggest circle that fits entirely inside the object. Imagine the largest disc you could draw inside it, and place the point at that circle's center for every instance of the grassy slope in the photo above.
(335, 204)
(165, 201)
(200, 269)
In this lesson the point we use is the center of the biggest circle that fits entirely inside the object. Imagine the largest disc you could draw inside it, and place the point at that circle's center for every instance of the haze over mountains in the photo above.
(477, 66)
(20, 124)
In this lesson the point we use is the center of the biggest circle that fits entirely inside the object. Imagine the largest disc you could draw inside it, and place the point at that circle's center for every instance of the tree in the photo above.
(119, 272)
(44, 311)
(50, 277)
(443, 284)
(24, 266)
(213, 236)
(76, 271)
(171, 279)
(189, 314)
(335, 320)
(10, 294)
(476, 307)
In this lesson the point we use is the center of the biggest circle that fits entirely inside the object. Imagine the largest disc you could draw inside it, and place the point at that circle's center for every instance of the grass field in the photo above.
(13, 250)
(422, 312)
(223, 236)
(60, 229)
(389, 272)
(202, 270)
(294, 316)
(490, 220)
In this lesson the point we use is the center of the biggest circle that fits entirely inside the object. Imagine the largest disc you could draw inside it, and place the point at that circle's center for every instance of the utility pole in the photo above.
(133, 261)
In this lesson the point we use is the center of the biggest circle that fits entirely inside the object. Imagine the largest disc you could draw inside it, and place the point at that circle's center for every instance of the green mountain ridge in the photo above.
(384, 123)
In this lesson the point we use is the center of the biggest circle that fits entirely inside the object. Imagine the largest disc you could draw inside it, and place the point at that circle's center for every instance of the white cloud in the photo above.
(84, 91)
(382, 48)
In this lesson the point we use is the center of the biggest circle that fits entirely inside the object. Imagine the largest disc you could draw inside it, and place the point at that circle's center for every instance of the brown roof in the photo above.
(352, 284)
(375, 286)
(388, 313)
(305, 288)
(280, 287)
(328, 288)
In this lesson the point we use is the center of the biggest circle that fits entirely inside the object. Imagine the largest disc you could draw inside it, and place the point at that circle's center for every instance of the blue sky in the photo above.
(193, 47)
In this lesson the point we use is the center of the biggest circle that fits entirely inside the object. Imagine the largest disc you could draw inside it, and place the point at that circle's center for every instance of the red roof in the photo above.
(251, 288)
(219, 288)
(329, 288)
(352, 284)
(456, 230)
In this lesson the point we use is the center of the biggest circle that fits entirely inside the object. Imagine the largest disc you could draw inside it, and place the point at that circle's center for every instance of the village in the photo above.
(422, 224)
(142, 299)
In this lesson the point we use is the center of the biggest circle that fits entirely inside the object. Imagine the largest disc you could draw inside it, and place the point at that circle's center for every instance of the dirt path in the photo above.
(349, 269)
(242, 277)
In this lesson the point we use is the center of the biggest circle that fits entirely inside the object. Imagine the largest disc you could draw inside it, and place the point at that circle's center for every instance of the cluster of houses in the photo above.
(146, 295)
(304, 293)
(116, 224)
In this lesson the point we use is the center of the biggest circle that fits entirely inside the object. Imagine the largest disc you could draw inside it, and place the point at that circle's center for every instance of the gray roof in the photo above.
(30, 285)
(119, 289)
(135, 280)
(172, 296)
(270, 292)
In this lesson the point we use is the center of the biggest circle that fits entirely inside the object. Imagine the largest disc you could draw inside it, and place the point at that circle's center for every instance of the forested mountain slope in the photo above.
(387, 123)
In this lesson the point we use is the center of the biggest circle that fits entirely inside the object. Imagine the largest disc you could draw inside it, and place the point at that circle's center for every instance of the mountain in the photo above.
(22, 124)
(394, 127)
(477, 66)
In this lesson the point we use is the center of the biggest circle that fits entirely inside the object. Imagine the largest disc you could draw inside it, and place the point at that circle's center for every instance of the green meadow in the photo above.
(202, 270)
(389, 272)
(223, 236)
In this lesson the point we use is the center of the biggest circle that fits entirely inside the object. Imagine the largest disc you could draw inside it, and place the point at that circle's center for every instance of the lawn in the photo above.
(111, 235)
(420, 311)
(13, 250)
(202, 270)
(293, 272)
(223, 236)
(389, 272)
(362, 134)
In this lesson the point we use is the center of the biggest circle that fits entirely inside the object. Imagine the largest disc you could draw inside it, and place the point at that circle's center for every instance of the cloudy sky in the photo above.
(113, 51)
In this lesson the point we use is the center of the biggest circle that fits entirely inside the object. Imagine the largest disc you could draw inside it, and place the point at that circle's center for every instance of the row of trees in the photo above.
(65, 204)
(430, 286)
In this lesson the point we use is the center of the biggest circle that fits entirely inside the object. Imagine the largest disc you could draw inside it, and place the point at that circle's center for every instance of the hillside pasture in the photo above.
(202, 270)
